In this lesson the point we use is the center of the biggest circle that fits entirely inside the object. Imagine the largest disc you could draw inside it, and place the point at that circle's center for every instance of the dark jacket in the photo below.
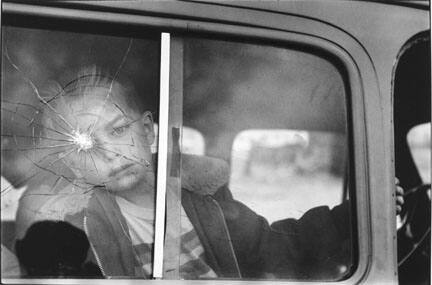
(238, 243)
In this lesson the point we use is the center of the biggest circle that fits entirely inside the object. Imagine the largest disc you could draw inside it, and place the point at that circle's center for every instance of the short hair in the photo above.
(91, 77)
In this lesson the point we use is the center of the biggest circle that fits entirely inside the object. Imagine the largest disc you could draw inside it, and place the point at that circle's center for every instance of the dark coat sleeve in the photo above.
(317, 246)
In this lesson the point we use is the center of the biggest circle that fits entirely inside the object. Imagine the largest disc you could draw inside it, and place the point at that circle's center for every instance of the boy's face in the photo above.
(111, 141)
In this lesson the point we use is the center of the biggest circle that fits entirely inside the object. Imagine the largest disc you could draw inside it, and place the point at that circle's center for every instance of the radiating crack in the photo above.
(113, 80)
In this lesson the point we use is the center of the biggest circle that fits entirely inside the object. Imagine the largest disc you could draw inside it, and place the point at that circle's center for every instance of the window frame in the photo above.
(366, 123)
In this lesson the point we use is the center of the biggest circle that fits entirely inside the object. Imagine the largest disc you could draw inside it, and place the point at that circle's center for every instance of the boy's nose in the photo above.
(110, 153)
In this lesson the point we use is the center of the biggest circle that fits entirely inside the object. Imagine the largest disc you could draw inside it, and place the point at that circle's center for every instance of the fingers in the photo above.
(399, 196)
(398, 209)
(399, 201)
(399, 190)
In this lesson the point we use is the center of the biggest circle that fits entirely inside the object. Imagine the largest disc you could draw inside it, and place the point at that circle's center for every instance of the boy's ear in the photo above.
(148, 127)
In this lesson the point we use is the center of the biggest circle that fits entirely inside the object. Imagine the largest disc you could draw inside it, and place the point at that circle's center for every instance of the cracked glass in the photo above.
(78, 142)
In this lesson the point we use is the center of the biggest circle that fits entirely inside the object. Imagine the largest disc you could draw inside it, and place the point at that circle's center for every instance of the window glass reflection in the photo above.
(267, 200)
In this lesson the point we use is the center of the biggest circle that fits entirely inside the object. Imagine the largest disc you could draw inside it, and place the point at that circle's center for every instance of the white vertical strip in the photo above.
(162, 157)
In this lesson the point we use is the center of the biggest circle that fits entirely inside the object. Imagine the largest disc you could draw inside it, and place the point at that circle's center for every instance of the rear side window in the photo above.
(275, 119)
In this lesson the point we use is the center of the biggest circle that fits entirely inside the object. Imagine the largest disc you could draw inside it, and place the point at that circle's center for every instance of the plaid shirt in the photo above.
(141, 230)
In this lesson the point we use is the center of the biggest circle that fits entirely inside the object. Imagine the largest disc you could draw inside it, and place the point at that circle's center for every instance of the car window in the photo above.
(411, 92)
(274, 122)
(412, 115)
(78, 114)
(80, 162)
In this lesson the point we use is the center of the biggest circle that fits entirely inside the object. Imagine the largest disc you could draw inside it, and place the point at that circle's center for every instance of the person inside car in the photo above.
(111, 159)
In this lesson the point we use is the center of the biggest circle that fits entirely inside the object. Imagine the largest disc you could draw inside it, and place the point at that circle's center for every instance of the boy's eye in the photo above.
(119, 131)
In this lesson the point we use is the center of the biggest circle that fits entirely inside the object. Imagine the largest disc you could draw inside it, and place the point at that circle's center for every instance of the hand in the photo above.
(399, 196)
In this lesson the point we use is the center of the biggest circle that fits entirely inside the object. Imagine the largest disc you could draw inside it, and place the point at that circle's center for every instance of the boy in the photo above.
(110, 155)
